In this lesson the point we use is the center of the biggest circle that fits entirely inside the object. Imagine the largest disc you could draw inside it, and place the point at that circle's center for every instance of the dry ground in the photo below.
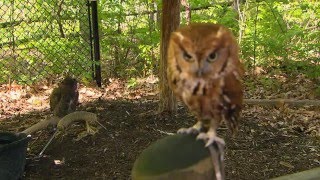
(271, 142)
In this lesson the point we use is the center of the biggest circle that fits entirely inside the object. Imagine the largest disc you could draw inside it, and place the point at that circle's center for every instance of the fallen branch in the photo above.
(281, 102)
(42, 125)
(88, 117)
(63, 123)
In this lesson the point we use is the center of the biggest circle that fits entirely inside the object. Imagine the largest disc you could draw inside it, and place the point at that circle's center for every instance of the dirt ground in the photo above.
(258, 152)
(271, 141)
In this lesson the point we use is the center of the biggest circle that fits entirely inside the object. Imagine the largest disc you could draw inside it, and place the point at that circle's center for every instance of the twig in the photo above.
(48, 143)
(163, 132)
(102, 125)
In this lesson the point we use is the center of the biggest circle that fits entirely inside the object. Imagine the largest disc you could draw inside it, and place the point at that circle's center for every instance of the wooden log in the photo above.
(85, 116)
(311, 174)
(42, 125)
(280, 102)
(179, 157)
(63, 123)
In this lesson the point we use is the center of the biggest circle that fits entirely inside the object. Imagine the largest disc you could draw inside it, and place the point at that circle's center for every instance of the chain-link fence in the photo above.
(44, 40)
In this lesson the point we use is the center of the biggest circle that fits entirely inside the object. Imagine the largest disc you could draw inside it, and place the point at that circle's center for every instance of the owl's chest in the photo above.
(202, 97)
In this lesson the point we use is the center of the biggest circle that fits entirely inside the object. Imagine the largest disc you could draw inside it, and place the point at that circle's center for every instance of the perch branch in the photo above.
(279, 102)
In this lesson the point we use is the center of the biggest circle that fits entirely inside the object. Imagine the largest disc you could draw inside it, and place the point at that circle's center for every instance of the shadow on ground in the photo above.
(259, 151)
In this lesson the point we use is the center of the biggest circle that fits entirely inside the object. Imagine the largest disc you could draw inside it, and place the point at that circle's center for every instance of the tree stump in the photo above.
(179, 157)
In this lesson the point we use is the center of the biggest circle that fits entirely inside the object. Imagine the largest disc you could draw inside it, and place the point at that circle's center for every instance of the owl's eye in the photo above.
(187, 56)
(212, 57)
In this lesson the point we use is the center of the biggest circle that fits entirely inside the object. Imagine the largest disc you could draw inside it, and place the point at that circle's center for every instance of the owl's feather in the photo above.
(204, 70)
(64, 99)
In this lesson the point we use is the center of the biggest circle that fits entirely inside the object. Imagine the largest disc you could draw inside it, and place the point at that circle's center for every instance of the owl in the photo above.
(205, 72)
(64, 99)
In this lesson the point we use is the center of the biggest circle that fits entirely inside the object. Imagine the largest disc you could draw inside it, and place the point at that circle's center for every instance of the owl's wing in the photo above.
(232, 98)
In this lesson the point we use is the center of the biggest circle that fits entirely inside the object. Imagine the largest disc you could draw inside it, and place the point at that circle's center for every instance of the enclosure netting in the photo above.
(44, 39)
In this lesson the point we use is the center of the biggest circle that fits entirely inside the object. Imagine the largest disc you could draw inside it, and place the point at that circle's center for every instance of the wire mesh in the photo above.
(42, 39)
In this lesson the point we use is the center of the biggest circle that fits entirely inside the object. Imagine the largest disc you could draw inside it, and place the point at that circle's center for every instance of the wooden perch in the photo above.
(178, 157)
(279, 102)
(64, 122)
(311, 174)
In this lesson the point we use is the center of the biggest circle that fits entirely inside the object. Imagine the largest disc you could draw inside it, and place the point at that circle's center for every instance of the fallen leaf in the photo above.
(58, 162)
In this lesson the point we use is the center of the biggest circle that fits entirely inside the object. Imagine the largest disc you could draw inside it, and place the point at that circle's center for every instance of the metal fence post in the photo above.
(96, 40)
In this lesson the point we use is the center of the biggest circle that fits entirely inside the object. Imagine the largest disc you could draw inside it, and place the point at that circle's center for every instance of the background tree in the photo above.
(170, 21)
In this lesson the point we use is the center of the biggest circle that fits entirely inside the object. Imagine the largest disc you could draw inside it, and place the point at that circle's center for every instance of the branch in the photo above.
(183, 10)
(29, 21)
(34, 38)
(77, 116)
(42, 125)
(64, 122)
(277, 102)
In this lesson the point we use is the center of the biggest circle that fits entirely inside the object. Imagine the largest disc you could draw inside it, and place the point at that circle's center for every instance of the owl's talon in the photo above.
(202, 136)
(209, 139)
(219, 141)
(190, 130)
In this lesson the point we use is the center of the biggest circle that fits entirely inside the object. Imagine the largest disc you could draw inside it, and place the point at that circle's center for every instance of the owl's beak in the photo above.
(199, 73)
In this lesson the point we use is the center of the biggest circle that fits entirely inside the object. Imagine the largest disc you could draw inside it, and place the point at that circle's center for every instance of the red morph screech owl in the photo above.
(204, 71)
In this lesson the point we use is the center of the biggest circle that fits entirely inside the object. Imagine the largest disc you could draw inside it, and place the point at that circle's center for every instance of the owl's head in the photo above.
(202, 50)
(70, 83)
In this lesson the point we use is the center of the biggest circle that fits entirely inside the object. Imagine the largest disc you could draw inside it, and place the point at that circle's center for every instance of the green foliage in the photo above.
(130, 40)
(43, 39)
(132, 83)
(270, 83)
(280, 36)
(275, 34)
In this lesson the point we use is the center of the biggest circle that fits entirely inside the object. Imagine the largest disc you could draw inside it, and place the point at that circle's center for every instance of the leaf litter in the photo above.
(272, 141)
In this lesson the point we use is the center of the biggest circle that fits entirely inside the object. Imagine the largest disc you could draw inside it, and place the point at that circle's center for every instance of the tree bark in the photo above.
(170, 21)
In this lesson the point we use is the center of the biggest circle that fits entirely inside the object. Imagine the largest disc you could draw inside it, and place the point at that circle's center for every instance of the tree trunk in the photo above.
(152, 21)
(170, 21)
(59, 19)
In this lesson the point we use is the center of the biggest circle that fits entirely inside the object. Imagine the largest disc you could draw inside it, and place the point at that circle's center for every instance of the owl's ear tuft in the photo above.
(220, 32)
(177, 36)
